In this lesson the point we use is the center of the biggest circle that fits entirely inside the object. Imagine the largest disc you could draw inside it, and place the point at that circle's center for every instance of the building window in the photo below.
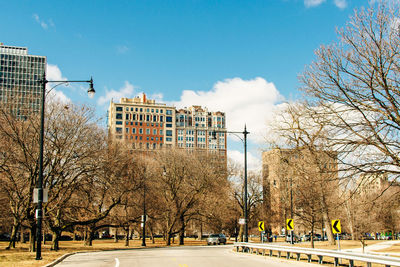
(147, 131)
(118, 116)
(118, 122)
(140, 131)
(161, 132)
(168, 132)
(154, 131)
(168, 119)
(169, 112)
(134, 130)
(118, 130)
(168, 125)
(118, 108)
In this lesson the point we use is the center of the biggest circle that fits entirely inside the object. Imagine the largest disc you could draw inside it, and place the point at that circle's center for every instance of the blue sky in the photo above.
(241, 57)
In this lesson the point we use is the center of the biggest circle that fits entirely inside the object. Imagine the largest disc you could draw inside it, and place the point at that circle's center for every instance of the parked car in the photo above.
(305, 238)
(216, 239)
(317, 237)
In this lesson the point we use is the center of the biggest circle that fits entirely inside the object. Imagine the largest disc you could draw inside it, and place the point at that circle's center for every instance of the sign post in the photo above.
(261, 228)
(337, 229)
(290, 227)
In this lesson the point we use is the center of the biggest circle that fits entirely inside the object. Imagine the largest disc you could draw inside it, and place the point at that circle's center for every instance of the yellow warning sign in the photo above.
(336, 228)
(289, 224)
(261, 226)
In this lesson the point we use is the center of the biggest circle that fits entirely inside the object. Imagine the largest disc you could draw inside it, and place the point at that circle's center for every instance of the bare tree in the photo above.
(312, 165)
(19, 169)
(182, 179)
(356, 84)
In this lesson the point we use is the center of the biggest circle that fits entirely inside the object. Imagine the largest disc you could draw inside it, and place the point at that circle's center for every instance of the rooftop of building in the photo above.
(13, 50)
(139, 100)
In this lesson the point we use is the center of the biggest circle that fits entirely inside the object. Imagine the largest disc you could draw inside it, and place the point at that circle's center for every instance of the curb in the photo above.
(63, 257)
(60, 259)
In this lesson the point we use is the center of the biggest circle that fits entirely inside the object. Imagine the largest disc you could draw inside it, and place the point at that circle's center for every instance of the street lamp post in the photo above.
(39, 208)
(144, 215)
(244, 140)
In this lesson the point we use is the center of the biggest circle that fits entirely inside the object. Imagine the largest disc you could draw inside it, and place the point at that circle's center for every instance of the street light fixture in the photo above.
(39, 208)
(244, 140)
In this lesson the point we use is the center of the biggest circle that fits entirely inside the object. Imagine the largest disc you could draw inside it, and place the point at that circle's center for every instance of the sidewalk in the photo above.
(372, 248)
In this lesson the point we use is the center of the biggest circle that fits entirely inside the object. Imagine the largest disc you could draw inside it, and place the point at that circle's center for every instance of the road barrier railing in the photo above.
(266, 249)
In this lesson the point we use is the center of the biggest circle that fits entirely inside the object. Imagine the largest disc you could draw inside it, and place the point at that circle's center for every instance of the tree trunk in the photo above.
(90, 237)
(13, 236)
(32, 239)
(182, 231)
(116, 235)
(327, 221)
(312, 234)
(241, 230)
(56, 238)
(200, 236)
(168, 241)
(350, 220)
(150, 227)
(127, 236)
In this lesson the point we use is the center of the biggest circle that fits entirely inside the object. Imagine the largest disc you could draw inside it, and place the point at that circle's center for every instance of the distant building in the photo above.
(19, 76)
(372, 183)
(283, 173)
(198, 128)
(142, 122)
(146, 125)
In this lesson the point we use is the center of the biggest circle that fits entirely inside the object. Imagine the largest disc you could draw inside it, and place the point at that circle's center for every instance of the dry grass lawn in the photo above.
(20, 256)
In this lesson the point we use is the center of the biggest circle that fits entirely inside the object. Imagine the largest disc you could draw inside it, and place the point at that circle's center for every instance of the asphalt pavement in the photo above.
(187, 256)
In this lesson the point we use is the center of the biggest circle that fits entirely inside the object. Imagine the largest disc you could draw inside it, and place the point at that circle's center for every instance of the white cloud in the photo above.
(53, 73)
(247, 102)
(253, 162)
(42, 23)
(342, 4)
(128, 90)
(312, 3)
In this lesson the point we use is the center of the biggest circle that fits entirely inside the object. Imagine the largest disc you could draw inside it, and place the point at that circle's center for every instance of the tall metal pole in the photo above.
(39, 207)
(246, 227)
(291, 209)
(39, 211)
(144, 215)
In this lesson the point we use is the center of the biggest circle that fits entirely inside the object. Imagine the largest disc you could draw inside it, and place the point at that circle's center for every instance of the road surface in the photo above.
(188, 256)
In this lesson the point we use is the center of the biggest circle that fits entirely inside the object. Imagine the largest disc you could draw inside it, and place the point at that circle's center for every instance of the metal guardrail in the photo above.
(320, 253)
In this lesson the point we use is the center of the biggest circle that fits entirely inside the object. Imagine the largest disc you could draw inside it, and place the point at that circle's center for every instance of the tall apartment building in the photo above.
(142, 122)
(148, 125)
(198, 128)
(19, 76)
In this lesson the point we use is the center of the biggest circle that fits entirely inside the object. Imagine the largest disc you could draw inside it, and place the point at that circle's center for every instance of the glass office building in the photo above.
(20, 89)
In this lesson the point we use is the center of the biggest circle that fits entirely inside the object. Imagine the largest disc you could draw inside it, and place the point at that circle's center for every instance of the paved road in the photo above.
(201, 256)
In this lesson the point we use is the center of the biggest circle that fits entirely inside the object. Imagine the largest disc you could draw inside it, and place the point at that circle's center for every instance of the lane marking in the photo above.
(116, 262)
